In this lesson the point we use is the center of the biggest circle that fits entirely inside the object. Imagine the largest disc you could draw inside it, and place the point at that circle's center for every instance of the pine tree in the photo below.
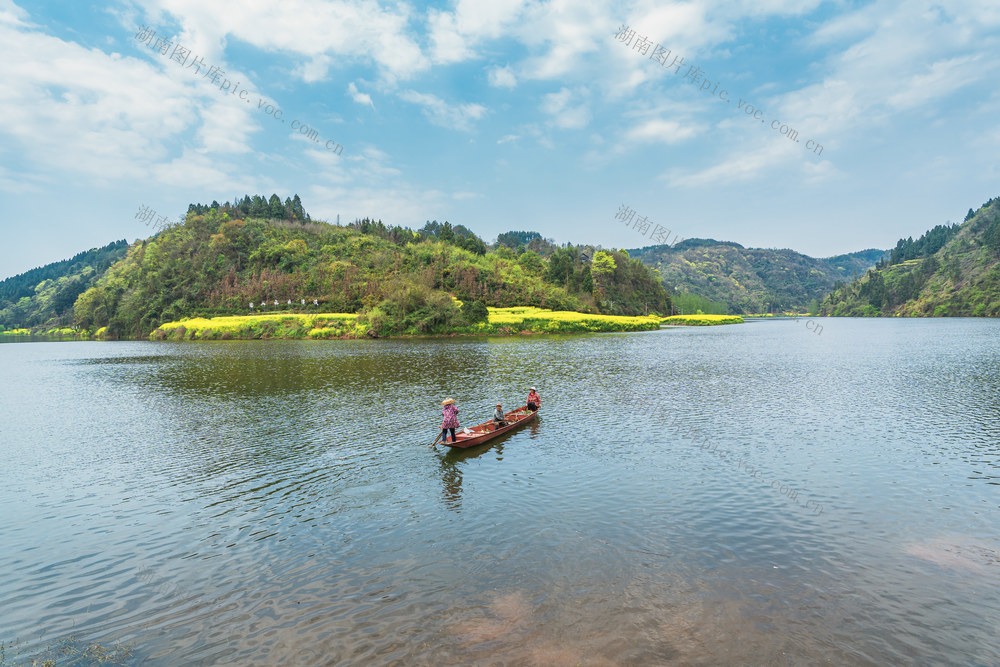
(275, 208)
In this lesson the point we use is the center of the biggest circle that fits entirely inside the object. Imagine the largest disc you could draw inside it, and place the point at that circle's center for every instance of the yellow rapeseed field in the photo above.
(271, 325)
(336, 325)
(532, 318)
(702, 320)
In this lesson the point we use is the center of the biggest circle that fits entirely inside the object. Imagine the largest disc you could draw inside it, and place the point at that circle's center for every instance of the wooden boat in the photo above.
(487, 430)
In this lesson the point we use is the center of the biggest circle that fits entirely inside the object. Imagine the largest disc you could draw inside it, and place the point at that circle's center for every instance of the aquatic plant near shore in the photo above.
(68, 649)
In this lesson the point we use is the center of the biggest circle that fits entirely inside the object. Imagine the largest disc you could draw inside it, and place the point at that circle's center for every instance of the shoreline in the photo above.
(512, 321)
(517, 320)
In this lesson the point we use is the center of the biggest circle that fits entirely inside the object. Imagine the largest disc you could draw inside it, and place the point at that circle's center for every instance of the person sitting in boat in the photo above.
(499, 421)
(450, 422)
(534, 400)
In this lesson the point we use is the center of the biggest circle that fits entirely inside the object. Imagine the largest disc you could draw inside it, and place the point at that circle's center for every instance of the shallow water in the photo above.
(741, 494)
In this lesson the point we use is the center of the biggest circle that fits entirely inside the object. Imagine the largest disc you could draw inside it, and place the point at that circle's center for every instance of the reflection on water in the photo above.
(454, 457)
(266, 502)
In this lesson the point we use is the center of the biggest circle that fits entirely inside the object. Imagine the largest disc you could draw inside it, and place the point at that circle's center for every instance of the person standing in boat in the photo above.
(450, 422)
(498, 418)
(534, 400)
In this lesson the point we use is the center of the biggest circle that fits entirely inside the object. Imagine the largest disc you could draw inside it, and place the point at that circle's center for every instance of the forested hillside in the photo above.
(45, 296)
(750, 280)
(951, 270)
(215, 264)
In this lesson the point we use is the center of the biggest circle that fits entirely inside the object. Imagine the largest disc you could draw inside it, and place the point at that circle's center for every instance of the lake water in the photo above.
(721, 495)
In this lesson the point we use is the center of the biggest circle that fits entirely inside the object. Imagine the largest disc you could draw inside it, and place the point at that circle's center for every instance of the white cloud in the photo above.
(12, 15)
(656, 129)
(944, 78)
(358, 96)
(20, 183)
(69, 108)
(502, 77)
(323, 31)
(441, 113)
(739, 165)
(472, 22)
(570, 30)
(210, 173)
(906, 56)
(565, 116)
(225, 128)
(315, 69)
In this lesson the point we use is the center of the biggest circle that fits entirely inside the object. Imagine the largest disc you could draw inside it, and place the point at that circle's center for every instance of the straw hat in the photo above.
(448, 401)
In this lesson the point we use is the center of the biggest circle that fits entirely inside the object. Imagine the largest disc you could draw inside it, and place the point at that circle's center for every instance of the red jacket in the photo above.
(535, 397)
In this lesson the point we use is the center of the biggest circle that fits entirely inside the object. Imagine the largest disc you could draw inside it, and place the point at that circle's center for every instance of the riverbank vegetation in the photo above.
(466, 319)
(55, 332)
(702, 320)
(397, 281)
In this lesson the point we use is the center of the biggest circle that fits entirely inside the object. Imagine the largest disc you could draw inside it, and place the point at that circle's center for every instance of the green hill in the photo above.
(397, 280)
(750, 280)
(952, 270)
(44, 297)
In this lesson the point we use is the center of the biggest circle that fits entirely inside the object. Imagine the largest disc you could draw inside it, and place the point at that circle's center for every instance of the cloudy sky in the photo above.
(501, 114)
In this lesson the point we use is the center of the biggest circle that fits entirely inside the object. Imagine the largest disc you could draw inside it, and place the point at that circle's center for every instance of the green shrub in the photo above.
(475, 312)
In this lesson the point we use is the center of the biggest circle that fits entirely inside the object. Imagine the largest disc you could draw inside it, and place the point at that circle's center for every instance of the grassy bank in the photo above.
(502, 321)
(702, 320)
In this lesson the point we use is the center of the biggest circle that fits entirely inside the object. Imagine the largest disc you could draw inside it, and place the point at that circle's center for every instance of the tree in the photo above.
(991, 237)
(475, 311)
(258, 207)
(602, 265)
(560, 267)
(532, 264)
(276, 209)
(516, 240)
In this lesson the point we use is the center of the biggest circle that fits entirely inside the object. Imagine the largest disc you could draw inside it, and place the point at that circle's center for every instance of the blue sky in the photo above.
(503, 114)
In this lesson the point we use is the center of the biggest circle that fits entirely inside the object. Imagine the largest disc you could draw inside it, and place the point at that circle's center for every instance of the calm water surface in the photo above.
(725, 495)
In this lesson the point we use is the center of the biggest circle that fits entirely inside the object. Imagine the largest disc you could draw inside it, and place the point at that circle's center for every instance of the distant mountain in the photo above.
(751, 280)
(952, 270)
(45, 296)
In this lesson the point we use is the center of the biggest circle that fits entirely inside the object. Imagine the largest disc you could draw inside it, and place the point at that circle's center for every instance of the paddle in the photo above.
(436, 440)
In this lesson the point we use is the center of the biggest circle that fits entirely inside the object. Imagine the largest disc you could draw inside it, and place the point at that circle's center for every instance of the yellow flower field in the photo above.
(502, 321)
(530, 318)
(273, 325)
(702, 320)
